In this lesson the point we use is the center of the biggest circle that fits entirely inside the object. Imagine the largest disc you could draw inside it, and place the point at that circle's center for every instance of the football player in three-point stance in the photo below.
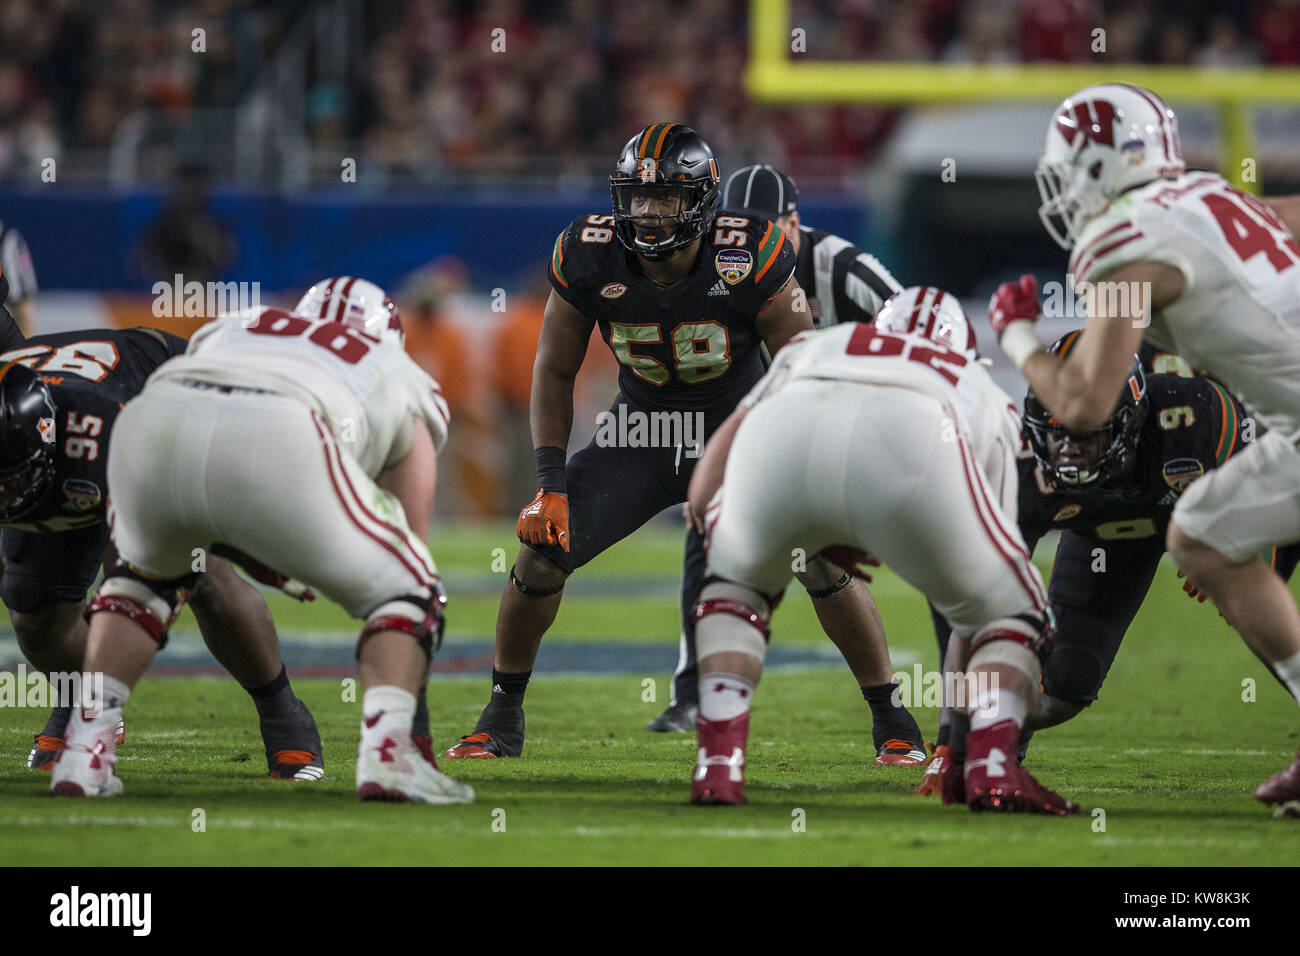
(841, 283)
(60, 396)
(684, 298)
(316, 416)
(1212, 275)
(907, 452)
(1112, 490)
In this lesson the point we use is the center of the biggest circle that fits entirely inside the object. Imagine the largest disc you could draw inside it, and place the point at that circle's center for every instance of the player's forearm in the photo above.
(551, 409)
(414, 480)
(708, 474)
(1080, 404)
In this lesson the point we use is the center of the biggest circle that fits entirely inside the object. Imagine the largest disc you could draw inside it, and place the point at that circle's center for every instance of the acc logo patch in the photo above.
(612, 290)
(82, 495)
(1181, 472)
(733, 264)
(1068, 512)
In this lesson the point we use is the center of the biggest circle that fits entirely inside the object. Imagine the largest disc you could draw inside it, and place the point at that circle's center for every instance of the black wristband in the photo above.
(550, 469)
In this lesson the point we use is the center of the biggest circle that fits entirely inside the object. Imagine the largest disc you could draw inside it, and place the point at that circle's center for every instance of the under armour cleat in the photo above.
(900, 753)
(424, 744)
(46, 749)
(719, 777)
(994, 781)
(680, 718)
(81, 771)
(394, 770)
(1283, 789)
(293, 747)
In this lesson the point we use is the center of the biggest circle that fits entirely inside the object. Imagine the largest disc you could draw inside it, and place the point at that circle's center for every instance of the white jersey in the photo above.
(1239, 313)
(366, 390)
(855, 353)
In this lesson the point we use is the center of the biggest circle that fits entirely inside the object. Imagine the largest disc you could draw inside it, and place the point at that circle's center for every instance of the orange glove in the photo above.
(545, 520)
(1190, 589)
(931, 784)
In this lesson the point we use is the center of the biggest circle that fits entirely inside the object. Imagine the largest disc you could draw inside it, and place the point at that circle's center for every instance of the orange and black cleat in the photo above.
(295, 765)
(900, 753)
(480, 745)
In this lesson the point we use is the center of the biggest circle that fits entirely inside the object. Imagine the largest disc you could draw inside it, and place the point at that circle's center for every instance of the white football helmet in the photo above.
(355, 302)
(930, 312)
(1103, 140)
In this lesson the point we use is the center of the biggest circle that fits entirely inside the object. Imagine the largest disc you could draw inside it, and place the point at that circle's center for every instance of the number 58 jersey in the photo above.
(1239, 312)
(365, 389)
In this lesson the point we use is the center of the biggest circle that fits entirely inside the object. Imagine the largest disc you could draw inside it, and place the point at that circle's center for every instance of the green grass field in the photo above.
(1170, 753)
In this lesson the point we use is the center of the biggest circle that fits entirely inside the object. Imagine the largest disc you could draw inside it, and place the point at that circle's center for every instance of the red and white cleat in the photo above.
(394, 769)
(86, 769)
(994, 781)
(720, 771)
(1283, 789)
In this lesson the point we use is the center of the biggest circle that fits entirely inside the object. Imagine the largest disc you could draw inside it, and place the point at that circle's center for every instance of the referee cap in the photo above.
(760, 189)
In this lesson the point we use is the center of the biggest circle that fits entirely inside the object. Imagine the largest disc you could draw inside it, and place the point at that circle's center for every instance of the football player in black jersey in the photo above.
(684, 298)
(1113, 491)
(59, 397)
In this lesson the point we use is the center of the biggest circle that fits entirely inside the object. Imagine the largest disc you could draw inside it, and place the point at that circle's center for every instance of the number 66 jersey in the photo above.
(365, 390)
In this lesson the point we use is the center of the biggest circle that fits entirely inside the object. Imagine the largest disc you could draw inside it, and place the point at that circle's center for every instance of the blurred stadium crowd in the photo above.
(418, 88)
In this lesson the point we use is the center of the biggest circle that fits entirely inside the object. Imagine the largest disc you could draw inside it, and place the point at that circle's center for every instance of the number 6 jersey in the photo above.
(365, 389)
(688, 346)
(91, 375)
(1239, 313)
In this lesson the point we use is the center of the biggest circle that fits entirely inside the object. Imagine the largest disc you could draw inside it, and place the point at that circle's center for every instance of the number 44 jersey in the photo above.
(1239, 312)
(91, 374)
(366, 390)
(688, 346)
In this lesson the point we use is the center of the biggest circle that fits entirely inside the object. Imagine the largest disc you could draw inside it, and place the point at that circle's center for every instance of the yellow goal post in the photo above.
(773, 76)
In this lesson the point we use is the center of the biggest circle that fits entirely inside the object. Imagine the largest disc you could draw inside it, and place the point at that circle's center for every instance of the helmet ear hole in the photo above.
(1094, 171)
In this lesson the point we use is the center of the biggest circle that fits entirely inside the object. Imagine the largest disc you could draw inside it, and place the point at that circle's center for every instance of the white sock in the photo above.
(394, 708)
(993, 705)
(102, 700)
(724, 696)
(1288, 672)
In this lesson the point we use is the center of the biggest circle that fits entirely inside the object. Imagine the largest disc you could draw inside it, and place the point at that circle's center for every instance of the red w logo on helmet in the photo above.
(1094, 119)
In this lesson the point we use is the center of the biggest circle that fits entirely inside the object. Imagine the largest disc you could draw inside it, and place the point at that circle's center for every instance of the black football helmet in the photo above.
(26, 440)
(665, 189)
(1115, 442)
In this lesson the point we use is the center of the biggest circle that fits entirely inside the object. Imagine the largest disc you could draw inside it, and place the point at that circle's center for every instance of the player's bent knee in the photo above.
(153, 605)
(1016, 642)
(823, 578)
(731, 619)
(420, 615)
(535, 575)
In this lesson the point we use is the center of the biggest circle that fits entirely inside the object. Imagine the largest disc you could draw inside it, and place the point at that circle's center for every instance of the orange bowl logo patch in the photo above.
(733, 264)
(612, 290)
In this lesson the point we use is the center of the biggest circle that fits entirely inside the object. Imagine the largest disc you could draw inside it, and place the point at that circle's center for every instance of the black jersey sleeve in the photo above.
(580, 254)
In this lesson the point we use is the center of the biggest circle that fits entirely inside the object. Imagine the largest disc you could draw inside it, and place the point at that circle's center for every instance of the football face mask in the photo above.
(655, 211)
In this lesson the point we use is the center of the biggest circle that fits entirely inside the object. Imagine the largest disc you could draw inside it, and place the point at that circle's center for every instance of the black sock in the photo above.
(509, 685)
(420, 722)
(889, 720)
(274, 698)
(944, 732)
(57, 725)
(957, 734)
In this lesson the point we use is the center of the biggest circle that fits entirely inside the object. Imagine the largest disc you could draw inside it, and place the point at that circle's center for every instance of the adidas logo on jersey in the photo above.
(719, 288)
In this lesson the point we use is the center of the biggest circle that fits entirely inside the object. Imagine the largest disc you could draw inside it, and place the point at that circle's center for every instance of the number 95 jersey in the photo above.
(688, 346)
(91, 374)
(365, 389)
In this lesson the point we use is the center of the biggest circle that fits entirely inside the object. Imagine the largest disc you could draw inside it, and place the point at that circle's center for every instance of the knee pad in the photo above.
(1020, 642)
(737, 620)
(151, 604)
(533, 592)
(420, 615)
(823, 578)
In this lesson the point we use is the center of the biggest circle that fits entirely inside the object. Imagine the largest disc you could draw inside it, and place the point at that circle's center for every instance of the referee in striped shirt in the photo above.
(843, 284)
